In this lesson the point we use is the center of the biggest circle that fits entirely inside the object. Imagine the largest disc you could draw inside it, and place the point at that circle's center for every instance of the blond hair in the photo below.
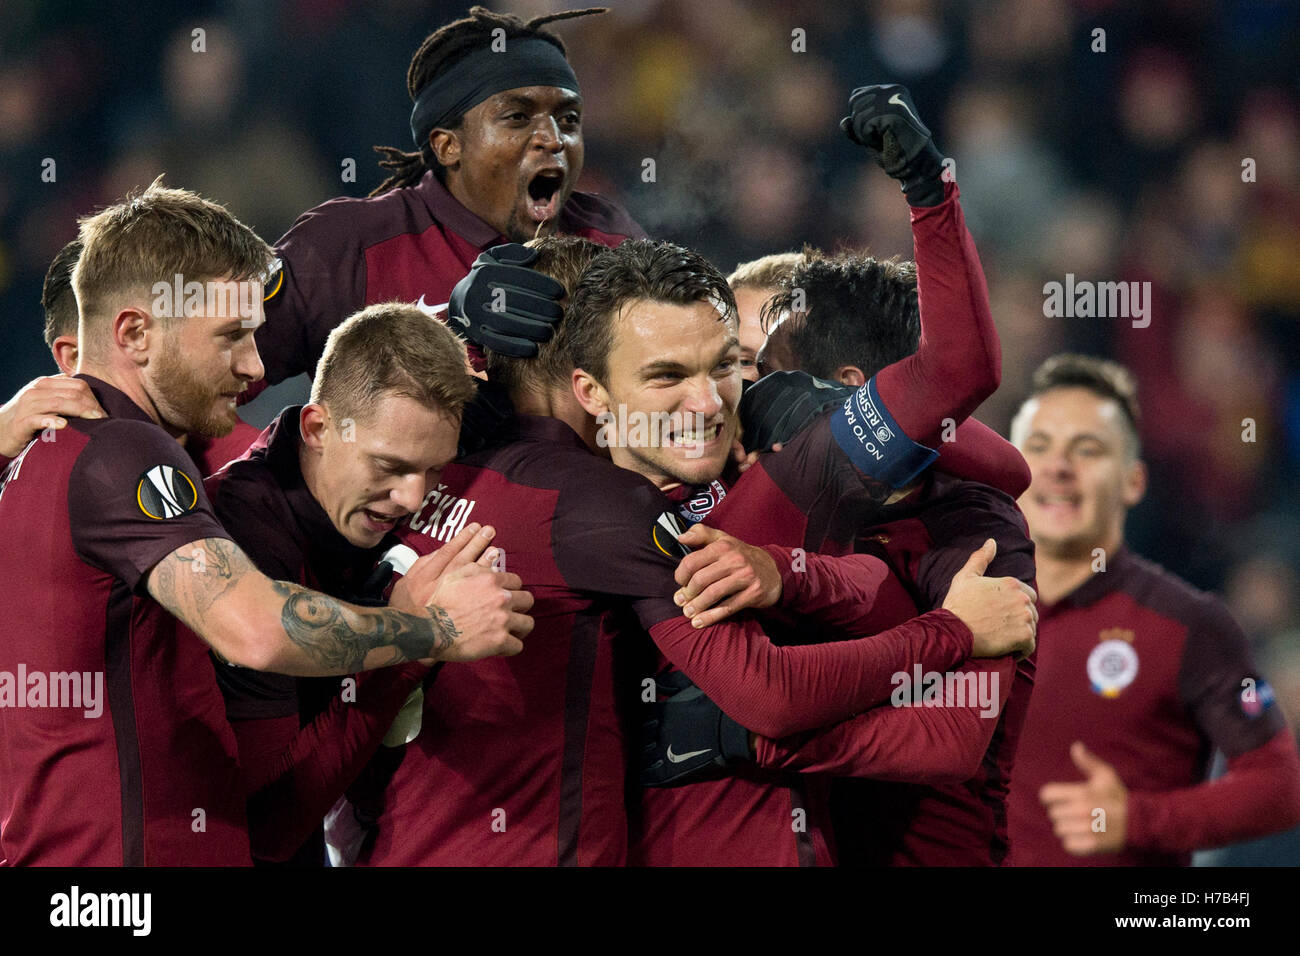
(154, 237)
(767, 272)
(392, 347)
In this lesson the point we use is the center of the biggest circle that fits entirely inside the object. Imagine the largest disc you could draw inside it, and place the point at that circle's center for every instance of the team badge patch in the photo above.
(697, 508)
(1112, 666)
(664, 535)
(164, 492)
(274, 280)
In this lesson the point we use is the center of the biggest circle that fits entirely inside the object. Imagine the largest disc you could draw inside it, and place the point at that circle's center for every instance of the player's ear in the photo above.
(446, 146)
(313, 426)
(1135, 483)
(850, 375)
(591, 395)
(64, 350)
(135, 331)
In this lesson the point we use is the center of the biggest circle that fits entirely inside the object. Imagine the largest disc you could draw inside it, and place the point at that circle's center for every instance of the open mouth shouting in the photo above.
(545, 194)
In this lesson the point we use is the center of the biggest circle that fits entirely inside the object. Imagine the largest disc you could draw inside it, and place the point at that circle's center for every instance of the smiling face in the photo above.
(515, 158)
(678, 365)
(371, 473)
(1085, 478)
(199, 369)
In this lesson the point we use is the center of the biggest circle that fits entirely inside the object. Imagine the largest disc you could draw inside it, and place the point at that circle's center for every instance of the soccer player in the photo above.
(796, 498)
(314, 501)
(754, 283)
(1140, 676)
(497, 129)
(535, 753)
(112, 731)
(43, 405)
(60, 305)
(858, 316)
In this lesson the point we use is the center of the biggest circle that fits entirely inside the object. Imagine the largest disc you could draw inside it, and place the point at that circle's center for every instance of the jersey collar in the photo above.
(114, 401)
(544, 428)
(1099, 585)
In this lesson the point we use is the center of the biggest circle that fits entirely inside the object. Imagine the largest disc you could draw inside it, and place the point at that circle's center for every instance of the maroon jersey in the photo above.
(300, 743)
(210, 454)
(762, 817)
(809, 496)
(954, 822)
(523, 760)
(407, 245)
(1151, 675)
(148, 775)
(804, 497)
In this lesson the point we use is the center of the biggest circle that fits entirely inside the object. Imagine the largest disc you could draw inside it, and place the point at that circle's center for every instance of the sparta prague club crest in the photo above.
(697, 508)
(1113, 664)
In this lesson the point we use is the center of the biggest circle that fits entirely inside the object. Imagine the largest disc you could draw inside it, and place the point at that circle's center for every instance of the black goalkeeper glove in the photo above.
(883, 118)
(503, 305)
(781, 404)
(686, 734)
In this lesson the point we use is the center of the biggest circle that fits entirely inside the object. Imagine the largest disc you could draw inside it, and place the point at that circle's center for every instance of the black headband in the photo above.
(526, 61)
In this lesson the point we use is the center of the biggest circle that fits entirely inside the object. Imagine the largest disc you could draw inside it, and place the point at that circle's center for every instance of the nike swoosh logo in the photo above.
(436, 310)
(898, 101)
(678, 758)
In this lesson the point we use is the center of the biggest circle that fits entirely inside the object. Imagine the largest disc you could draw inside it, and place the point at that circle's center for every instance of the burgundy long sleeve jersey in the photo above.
(114, 745)
(760, 818)
(411, 244)
(1152, 676)
(301, 740)
(958, 817)
(763, 816)
(523, 760)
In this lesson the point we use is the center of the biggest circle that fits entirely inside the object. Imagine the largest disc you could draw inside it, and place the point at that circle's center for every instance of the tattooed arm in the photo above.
(256, 622)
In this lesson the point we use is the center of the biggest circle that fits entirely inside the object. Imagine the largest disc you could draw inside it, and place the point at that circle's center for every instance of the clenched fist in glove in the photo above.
(883, 118)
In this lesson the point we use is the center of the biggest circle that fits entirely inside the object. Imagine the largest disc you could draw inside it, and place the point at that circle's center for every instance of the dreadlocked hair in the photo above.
(440, 50)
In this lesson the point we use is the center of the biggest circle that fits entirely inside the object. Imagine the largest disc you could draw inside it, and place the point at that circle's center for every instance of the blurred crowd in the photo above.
(1119, 155)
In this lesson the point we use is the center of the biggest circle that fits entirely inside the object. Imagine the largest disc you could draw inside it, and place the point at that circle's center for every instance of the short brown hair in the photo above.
(155, 236)
(767, 272)
(564, 259)
(57, 297)
(638, 269)
(1102, 377)
(391, 347)
(848, 309)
